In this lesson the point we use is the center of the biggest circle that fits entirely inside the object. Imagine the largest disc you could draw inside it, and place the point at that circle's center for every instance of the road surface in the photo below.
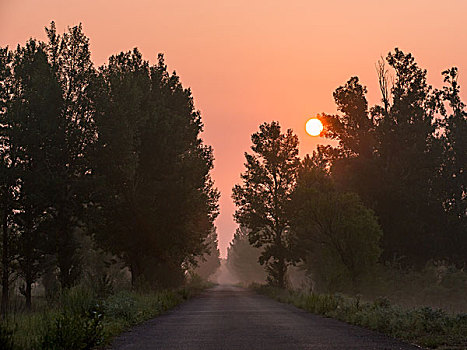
(228, 317)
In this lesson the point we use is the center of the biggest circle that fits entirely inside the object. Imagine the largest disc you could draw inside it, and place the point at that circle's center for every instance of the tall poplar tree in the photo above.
(37, 129)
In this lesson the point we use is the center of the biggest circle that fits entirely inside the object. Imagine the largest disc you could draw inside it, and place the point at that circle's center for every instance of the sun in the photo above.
(314, 127)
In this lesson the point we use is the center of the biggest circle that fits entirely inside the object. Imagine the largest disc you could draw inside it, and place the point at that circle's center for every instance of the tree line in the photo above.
(112, 152)
(392, 191)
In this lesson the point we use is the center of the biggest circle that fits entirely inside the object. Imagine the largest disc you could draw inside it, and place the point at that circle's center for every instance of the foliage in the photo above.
(104, 160)
(208, 264)
(438, 285)
(80, 320)
(405, 158)
(336, 236)
(46, 134)
(74, 331)
(262, 197)
(154, 198)
(423, 326)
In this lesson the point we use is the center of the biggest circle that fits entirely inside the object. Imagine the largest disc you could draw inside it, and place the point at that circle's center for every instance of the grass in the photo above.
(424, 326)
(80, 320)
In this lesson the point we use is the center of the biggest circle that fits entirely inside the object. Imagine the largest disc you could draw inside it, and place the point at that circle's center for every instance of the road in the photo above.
(228, 317)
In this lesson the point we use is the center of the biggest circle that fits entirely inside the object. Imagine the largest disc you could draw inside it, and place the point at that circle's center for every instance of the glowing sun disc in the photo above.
(314, 127)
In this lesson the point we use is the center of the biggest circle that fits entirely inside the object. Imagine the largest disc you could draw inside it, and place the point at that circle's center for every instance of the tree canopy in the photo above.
(112, 152)
(405, 158)
(262, 198)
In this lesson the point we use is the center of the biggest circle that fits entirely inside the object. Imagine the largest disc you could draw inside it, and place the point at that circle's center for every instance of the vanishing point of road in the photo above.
(228, 317)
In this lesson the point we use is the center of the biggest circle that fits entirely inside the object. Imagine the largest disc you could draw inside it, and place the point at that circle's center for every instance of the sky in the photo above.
(253, 61)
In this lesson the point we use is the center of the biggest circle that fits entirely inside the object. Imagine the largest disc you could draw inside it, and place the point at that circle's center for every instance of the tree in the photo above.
(70, 58)
(391, 157)
(262, 198)
(243, 259)
(154, 194)
(207, 264)
(7, 170)
(453, 176)
(36, 129)
(114, 154)
(336, 236)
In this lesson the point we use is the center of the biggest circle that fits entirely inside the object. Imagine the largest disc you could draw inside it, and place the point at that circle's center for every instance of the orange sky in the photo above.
(254, 61)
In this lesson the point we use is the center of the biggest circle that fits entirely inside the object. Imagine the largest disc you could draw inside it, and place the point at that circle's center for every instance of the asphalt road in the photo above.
(227, 317)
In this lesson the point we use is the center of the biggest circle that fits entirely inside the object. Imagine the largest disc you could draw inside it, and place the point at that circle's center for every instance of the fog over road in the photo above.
(228, 317)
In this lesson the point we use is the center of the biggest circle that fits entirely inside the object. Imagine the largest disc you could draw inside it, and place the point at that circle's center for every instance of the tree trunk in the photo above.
(135, 274)
(67, 261)
(281, 272)
(281, 265)
(5, 265)
(28, 293)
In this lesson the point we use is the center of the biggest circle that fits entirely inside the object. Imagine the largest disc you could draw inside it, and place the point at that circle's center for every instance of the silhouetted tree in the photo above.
(336, 236)
(70, 58)
(453, 178)
(390, 155)
(243, 259)
(158, 200)
(262, 198)
(208, 263)
(7, 170)
(36, 129)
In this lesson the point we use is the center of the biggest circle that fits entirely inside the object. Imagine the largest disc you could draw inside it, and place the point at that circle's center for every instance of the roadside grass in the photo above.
(425, 326)
(80, 320)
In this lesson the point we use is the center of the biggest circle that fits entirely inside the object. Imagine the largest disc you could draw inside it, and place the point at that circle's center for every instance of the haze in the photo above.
(253, 61)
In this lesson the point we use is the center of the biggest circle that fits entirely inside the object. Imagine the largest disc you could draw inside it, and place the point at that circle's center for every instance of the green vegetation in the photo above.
(261, 199)
(392, 190)
(336, 236)
(82, 320)
(106, 197)
(382, 213)
(405, 158)
(102, 170)
(425, 326)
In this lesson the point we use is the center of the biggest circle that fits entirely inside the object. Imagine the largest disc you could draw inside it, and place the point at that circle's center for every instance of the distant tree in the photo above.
(243, 259)
(262, 198)
(209, 262)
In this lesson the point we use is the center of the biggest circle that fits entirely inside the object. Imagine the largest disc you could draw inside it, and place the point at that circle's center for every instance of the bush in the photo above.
(424, 326)
(78, 300)
(74, 331)
(79, 320)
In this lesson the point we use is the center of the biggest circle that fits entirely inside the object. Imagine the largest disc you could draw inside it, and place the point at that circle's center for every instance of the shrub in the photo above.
(78, 300)
(74, 331)
(78, 323)
(424, 326)
(121, 306)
